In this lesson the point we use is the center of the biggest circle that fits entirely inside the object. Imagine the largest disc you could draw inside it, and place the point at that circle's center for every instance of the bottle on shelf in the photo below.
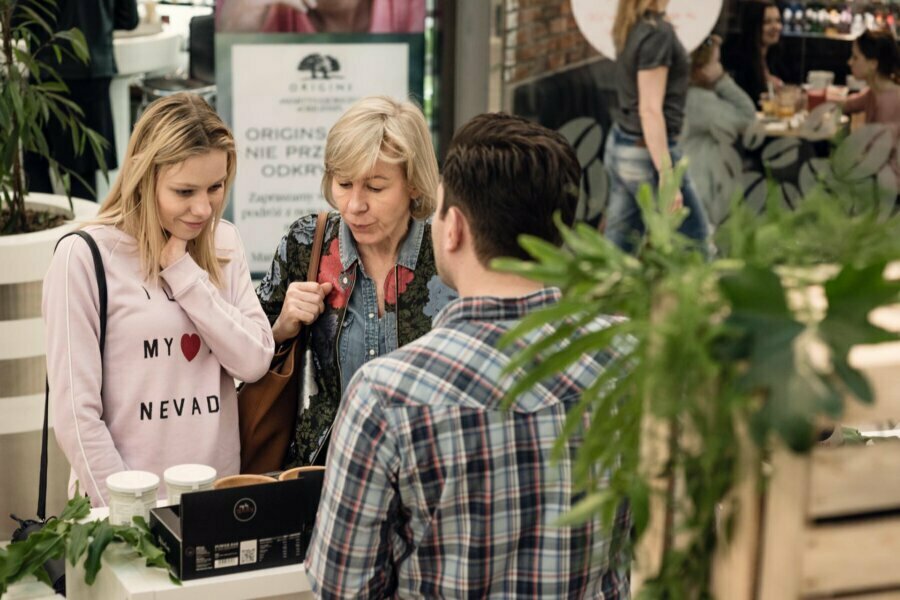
(858, 25)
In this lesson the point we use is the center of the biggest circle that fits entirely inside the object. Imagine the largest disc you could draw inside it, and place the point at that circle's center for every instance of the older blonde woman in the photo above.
(377, 288)
(182, 319)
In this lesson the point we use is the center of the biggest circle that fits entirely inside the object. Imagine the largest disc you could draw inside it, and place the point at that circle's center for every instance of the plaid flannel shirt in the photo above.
(433, 490)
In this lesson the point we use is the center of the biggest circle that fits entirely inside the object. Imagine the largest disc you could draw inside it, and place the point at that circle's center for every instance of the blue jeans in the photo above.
(631, 166)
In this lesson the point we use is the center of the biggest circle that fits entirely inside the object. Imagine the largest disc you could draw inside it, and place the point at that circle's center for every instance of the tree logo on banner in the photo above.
(692, 20)
(320, 66)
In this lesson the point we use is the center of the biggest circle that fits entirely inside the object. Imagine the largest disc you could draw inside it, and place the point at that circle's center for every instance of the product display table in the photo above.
(124, 576)
(31, 589)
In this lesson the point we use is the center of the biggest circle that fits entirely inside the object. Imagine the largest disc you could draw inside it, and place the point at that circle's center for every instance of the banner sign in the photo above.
(285, 96)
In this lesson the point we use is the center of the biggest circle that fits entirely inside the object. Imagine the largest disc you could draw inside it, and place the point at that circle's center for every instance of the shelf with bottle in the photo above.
(843, 20)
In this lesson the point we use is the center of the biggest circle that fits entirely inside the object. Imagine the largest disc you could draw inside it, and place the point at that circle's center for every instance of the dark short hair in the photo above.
(881, 45)
(509, 176)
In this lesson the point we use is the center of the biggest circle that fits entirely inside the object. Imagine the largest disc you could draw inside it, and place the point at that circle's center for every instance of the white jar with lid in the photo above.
(131, 494)
(182, 479)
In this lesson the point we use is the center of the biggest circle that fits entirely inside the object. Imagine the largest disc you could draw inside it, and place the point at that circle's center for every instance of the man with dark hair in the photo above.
(432, 488)
(495, 163)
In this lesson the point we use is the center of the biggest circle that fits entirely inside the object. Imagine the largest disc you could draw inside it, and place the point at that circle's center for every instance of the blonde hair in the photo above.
(628, 13)
(170, 131)
(381, 128)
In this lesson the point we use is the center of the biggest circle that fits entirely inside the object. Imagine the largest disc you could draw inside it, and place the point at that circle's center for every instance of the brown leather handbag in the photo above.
(267, 408)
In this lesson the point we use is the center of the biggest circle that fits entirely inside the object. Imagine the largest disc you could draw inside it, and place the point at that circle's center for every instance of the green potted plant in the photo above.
(34, 95)
(72, 537)
(726, 357)
(31, 95)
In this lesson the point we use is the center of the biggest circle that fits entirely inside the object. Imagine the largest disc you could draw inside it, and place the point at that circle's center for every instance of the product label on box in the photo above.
(247, 552)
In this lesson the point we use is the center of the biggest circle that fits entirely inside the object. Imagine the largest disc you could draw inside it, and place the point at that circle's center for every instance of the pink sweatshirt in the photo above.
(172, 352)
(388, 16)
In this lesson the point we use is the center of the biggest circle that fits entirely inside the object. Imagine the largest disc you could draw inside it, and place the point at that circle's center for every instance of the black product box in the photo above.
(239, 529)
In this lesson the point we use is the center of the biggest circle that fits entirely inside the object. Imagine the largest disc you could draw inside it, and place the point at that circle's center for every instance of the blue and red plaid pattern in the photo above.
(433, 490)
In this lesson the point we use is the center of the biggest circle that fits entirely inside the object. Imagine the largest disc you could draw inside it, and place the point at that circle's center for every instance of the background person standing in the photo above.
(652, 76)
(88, 88)
(752, 57)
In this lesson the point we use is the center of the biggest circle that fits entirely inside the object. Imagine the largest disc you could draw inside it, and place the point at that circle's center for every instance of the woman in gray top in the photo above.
(652, 73)
(716, 113)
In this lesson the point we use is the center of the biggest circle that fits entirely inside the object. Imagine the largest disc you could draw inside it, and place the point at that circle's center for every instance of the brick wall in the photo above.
(541, 37)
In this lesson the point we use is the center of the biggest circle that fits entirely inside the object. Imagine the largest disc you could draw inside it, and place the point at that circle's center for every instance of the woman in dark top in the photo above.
(752, 56)
(88, 87)
(652, 77)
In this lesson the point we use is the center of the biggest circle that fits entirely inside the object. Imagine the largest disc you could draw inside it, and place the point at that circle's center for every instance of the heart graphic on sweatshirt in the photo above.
(190, 345)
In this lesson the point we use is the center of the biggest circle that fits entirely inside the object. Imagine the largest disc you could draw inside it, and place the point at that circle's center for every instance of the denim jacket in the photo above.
(349, 332)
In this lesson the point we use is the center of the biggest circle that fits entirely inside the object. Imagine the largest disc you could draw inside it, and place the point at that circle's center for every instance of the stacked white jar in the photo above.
(131, 494)
(182, 479)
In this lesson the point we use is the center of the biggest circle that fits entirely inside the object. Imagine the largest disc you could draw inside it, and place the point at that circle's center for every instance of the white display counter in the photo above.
(125, 576)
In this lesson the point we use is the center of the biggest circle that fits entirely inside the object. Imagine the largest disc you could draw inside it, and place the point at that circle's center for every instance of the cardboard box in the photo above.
(239, 529)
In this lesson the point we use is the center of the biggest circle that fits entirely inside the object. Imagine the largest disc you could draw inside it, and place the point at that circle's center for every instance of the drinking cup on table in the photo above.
(786, 101)
(819, 80)
(815, 97)
(767, 105)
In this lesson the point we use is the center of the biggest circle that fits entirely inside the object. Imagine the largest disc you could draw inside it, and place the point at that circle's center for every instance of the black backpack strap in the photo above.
(101, 280)
(101, 290)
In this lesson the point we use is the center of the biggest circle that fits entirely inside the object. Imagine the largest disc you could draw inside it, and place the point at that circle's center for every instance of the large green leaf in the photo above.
(565, 356)
(584, 510)
(852, 295)
(793, 393)
(79, 44)
(28, 557)
(77, 508)
(32, 18)
(102, 536)
(79, 537)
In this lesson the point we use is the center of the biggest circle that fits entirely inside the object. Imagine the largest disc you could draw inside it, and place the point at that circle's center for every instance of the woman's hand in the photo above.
(174, 249)
(303, 303)
(677, 203)
(248, 16)
(712, 72)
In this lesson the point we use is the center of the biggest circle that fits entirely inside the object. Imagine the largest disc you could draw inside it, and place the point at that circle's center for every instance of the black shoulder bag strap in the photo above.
(101, 290)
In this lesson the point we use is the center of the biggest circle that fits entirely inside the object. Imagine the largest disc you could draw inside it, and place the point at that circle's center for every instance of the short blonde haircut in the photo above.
(170, 131)
(381, 128)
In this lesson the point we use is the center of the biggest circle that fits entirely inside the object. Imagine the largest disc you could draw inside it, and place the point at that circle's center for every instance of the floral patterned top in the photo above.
(348, 334)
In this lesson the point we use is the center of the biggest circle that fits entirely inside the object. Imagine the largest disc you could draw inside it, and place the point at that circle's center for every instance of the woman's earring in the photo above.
(417, 203)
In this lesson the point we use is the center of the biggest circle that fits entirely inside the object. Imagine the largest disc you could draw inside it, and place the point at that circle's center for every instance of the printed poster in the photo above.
(284, 99)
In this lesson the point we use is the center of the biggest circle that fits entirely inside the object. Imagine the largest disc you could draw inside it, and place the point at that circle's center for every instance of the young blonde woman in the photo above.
(182, 320)
(652, 77)
(378, 287)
